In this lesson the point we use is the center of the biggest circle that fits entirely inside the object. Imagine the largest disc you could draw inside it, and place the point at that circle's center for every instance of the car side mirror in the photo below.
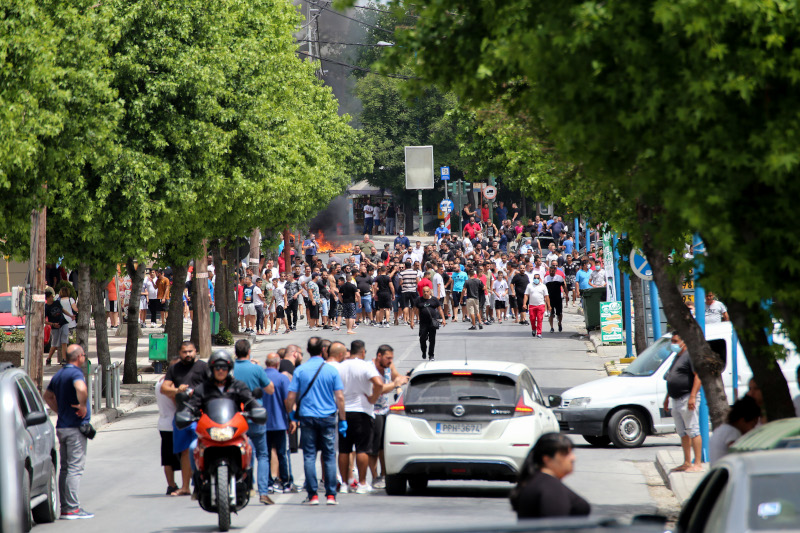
(35, 418)
(183, 419)
(258, 393)
(258, 415)
(554, 400)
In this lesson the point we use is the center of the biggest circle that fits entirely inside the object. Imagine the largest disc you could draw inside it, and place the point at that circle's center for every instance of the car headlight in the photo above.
(579, 402)
(221, 434)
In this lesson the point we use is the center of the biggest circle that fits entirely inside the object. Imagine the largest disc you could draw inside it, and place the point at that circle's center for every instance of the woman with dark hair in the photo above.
(539, 492)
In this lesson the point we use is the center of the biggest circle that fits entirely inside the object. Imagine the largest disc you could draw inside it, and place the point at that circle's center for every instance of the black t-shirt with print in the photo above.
(55, 313)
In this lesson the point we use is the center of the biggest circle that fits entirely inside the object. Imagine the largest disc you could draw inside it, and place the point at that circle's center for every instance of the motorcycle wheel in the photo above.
(223, 497)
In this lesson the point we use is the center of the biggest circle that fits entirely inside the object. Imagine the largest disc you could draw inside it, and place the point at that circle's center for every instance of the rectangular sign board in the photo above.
(611, 322)
(419, 167)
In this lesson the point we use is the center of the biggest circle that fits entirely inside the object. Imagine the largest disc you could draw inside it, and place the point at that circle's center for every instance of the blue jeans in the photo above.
(277, 440)
(319, 434)
(258, 436)
(366, 304)
(390, 226)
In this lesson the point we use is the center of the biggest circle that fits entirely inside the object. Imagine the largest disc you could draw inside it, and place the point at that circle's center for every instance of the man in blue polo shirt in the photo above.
(67, 395)
(583, 276)
(254, 377)
(278, 426)
(318, 388)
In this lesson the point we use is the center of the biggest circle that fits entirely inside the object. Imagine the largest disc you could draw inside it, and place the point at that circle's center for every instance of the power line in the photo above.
(347, 44)
(391, 32)
(385, 11)
(362, 69)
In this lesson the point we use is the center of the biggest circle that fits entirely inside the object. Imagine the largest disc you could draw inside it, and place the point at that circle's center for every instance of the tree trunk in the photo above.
(100, 329)
(131, 370)
(640, 330)
(760, 356)
(255, 250)
(220, 292)
(287, 256)
(231, 303)
(84, 289)
(201, 324)
(706, 363)
(174, 327)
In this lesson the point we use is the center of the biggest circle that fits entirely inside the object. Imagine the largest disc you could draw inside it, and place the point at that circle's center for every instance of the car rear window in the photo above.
(449, 388)
(5, 304)
(775, 502)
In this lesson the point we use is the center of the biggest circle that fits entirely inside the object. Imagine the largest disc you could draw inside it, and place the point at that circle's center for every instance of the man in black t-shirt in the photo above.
(364, 284)
(429, 307)
(555, 284)
(517, 288)
(473, 290)
(184, 376)
(383, 289)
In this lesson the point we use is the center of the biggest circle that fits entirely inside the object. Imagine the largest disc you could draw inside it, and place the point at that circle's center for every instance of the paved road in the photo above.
(124, 484)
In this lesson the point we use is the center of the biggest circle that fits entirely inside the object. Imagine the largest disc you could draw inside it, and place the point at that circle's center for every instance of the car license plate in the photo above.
(558, 416)
(459, 429)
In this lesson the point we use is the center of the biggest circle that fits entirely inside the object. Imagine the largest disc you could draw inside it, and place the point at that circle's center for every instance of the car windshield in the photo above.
(5, 304)
(447, 388)
(775, 502)
(649, 360)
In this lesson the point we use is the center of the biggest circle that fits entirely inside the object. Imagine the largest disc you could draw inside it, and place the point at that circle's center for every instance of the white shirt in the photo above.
(303, 280)
(279, 294)
(721, 438)
(150, 286)
(408, 256)
(166, 408)
(66, 305)
(552, 256)
(715, 311)
(438, 286)
(417, 253)
(598, 278)
(356, 375)
(536, 294)
(541, 270)
(500, 264)
(256, 293)
(368, 212)
(501, 288)
(467, 245)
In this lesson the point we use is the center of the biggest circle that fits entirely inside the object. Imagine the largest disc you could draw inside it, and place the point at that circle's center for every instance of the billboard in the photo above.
(419, 167)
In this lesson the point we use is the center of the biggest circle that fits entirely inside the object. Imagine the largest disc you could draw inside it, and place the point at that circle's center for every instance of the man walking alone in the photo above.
(428, 321)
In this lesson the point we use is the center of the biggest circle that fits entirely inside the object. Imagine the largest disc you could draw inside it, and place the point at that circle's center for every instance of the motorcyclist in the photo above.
(220, 383)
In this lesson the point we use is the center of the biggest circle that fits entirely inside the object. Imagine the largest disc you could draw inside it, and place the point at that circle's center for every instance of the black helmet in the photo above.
(220, 357)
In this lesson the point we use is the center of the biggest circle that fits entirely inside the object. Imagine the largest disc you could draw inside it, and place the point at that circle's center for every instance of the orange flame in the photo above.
(327, 246)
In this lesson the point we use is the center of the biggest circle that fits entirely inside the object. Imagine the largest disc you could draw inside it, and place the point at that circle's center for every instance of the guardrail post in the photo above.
(98, 387)
(116, 384)
(109, 387)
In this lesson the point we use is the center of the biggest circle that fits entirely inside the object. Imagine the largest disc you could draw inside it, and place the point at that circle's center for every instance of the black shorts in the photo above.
(167, 457)
(407, 299)
(456, 299)
(279, 312)
(377, 434)
(569, 288)
(313, 311)
(512, 302)
(555, 304)
(384, 300)
(359, 434)
(112, 306)
(499, 304)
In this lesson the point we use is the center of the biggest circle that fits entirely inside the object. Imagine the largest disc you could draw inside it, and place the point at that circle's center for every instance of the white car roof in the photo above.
(456, 365)
(781, 461)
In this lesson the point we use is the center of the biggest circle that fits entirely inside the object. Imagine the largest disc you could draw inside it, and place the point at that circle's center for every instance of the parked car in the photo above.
(784, 433)
(475, 420)
(625, 409)
(28, 458)
(745, 492)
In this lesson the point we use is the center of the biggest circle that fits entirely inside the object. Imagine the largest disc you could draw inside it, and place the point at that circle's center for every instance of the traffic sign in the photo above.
(445, 172)
(490, 192)
(640, 265)
(446, 205)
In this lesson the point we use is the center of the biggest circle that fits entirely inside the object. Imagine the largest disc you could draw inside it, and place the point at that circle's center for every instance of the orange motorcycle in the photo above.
(223, 478)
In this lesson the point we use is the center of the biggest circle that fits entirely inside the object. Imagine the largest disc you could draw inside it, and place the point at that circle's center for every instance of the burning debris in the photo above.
(326, 246)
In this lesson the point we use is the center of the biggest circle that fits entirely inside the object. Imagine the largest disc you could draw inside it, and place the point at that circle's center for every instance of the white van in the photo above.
(625, 409)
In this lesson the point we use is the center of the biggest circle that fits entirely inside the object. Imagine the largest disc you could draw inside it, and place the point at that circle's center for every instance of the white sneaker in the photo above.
(363, 489)
(379, 483)
(343, 489)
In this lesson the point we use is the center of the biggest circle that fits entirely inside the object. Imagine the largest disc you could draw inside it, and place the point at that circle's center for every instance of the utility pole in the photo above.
(34, 301)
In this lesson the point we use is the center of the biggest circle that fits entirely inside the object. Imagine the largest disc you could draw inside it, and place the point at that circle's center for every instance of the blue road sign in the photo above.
(446, 205)
(445, 172)
(640, 265)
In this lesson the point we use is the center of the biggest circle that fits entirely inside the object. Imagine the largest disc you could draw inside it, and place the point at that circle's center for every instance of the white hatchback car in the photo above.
(455, 420)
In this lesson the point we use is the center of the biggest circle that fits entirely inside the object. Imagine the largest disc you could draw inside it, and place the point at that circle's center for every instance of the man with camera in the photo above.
(68, 395)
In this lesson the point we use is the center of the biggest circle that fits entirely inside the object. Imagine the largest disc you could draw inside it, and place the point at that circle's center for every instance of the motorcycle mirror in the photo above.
(258, 393)
(184, 419)
(181, 398)
(258, 415)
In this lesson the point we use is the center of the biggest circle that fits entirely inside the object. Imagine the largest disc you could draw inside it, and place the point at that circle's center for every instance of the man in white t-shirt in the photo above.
(537, 302)
(552, 255)
(369, 213)
(362, 388)
(716, 311)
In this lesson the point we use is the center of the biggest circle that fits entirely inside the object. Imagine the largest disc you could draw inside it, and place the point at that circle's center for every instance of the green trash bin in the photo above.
(158, 350)
(591, 306)
(214, 323)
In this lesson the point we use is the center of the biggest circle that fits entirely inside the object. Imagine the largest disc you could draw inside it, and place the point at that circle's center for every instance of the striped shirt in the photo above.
(408, 279)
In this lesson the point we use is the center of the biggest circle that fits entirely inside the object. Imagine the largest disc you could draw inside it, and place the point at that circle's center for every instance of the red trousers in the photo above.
(536, 312)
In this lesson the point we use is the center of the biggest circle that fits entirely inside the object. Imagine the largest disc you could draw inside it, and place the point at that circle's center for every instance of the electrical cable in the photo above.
(346, 44)
(391, 32)
(362, 69)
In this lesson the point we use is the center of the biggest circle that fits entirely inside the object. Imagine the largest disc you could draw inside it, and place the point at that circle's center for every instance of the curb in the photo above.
(682, 484)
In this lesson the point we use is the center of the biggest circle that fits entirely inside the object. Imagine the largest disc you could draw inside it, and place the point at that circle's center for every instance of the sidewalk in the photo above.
(682, 484)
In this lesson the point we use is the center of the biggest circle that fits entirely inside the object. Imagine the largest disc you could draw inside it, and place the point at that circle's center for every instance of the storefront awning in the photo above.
(364, 188)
